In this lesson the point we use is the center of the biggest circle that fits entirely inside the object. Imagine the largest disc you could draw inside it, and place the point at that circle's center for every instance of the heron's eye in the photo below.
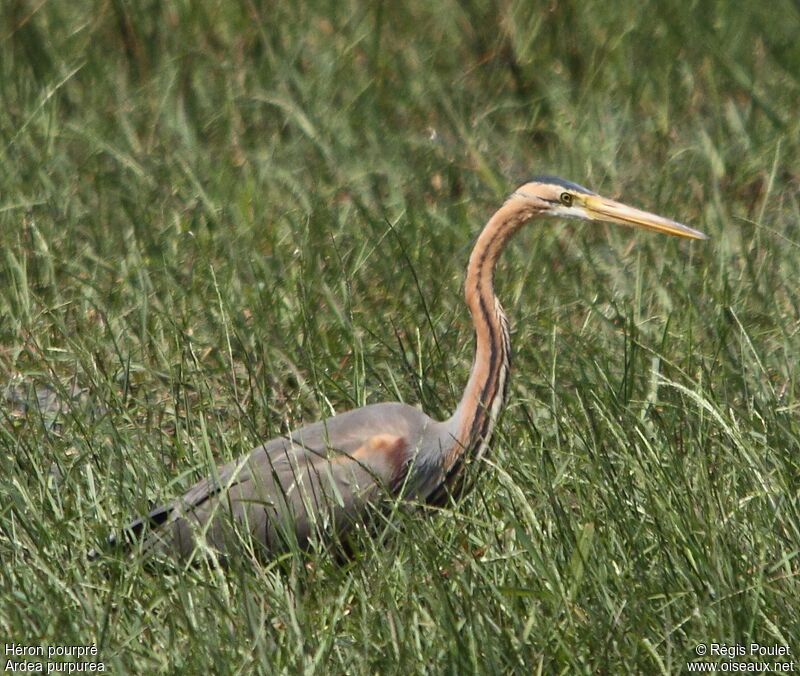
(566, 199)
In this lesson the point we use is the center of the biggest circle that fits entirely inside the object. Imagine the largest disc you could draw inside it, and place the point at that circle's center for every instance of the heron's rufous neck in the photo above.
(483, 397)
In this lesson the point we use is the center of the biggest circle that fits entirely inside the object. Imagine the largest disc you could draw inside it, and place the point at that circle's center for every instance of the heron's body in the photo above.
(318, 481)
(321, 477)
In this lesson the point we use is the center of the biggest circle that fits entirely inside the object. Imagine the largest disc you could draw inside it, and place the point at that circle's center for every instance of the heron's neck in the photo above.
(474, 419)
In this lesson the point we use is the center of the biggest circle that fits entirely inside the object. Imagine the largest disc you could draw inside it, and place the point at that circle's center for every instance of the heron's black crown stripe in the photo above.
(557, 180)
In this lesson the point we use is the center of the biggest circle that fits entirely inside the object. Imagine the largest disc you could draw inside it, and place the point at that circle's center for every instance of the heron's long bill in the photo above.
(602, 209)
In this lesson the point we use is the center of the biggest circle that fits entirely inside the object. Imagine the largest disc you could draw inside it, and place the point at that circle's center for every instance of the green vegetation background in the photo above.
(221, 219)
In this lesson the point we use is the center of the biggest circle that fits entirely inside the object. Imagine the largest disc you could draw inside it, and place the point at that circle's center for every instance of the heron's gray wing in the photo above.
(313, 483)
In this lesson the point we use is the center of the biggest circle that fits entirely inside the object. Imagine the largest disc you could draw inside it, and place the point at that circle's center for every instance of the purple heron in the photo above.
(320, 480)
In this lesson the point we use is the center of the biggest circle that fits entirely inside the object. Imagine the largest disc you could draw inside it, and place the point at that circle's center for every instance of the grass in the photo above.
(222, 220)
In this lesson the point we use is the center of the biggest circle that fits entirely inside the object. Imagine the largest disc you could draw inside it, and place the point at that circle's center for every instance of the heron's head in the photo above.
(553, 196)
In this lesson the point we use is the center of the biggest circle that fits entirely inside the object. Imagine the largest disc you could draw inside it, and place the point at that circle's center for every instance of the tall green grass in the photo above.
(220, 220)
